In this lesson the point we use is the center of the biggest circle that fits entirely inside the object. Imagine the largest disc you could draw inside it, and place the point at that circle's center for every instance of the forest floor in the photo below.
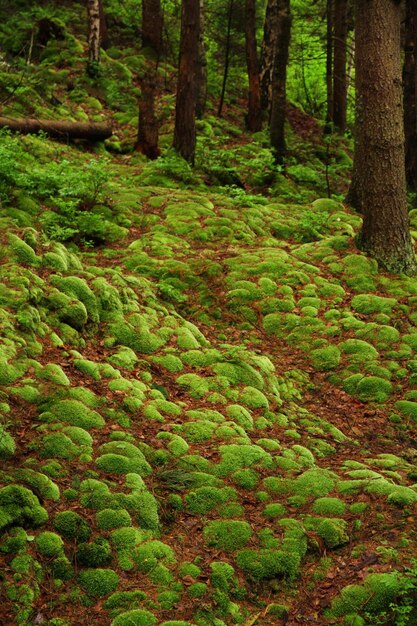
(207, 418)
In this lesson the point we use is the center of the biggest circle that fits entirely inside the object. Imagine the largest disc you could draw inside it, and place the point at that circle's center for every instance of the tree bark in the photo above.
(380, 185)
(59, 129)
(410, 95)
(267, 52)
(339, 69)
(152, 25)
(329, 65)
(254, 115)
(226, 57)
(93, 12)
(185, 107)
(202, 68)
(279, 81)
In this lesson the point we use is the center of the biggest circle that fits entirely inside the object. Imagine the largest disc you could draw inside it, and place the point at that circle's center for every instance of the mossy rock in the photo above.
(374, 596)
(325, 359)
(227, 535)
(368, 304)
(98, 583)
(110, 519)
(19, 506)
(329, 506)
(49, 544)
(77, 414)
(22, 251)
(205, 499)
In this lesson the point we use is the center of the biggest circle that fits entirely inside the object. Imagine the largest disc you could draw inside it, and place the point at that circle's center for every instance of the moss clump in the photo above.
(358, 350)
(314, 483)
(333, 531)
(205, 499)
(148, 555)
(20, 507)
(137, 617)
(253, 398)
(124, 358)
(239, 374)
(368, 304)
(71, 526)
(98, 582)
(329, 506)
(49, 544)
(227, 534)
(22, 251)
(94, 554)
(325, 359)
(170, 362)
(407, 408)
(197, 590)
(76, 287)
(266, 564)
(110, 519)
(373, 389)
(58, 445)
(124, 600)
(55, 374)
(122, 457)
(14, 541)
(7, 444)
(374, 596)
(77, 414)
(245, 478)
(273, 510)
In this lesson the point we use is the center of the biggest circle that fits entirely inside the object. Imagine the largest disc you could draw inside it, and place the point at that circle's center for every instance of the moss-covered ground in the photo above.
(208, 396)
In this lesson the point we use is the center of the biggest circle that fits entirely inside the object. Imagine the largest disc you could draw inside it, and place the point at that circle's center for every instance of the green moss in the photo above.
(234, 457)
(76, 287)
(333, 531)
(71, 526)
(253, 398)
(227, 534)
(368, 304)
(197, 590)
(358, 350)
(273, 510)
(240, 415)
(266, 564)
(62, 569)
(14, 541)
(124, 600)
(7, 444)
(49, 544)
(58, 445)
(314, 483)
(94, 554)
(137, 617)
(402, 496)
(239, 374)
(374, 596)
(40, 483)
(19, 506)
(109, 519)
(77, 414)
(98, 582)
(125, 358)
(245, 478)
(149, 554)
(122, 457)
(325, 359)
(55, 374)
(407, 408)
(22, 251)
(373, 389)
(170, 362)
(89, 368)
(329, 506)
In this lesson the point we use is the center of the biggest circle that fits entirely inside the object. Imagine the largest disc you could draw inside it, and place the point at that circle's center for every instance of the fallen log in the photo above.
(58, 128)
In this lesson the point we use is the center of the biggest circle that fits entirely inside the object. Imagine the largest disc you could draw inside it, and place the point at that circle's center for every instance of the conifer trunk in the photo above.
(254, 115)
(185, 107)
(202, 67)
(267, 52)
(279, 81)
(339, 68)
(380, 185)
(410, 95)
(226, 57)
(329, 64)
(94, 22)
(152, 23)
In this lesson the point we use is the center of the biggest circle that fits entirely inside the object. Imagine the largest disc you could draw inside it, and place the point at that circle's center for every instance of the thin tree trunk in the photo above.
(267, 52)
(254, 115)
(279, 80)
(329, 65)
(148, 125)
(185, 130)
(339, 69)
(152, 24)
(202, 68)
(93, 13)
(410, 95)
(226, 58)
(379, 136)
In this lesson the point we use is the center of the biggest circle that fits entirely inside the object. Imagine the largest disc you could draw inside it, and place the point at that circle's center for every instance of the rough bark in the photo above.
(59, 129)
(267, 52)
(329, 64)
(152, 25)
(410, 95)
(93, 12)
(279, 81)
(185, 106)
(339, 68)
(226, 57)
(202, 68)
(380, 186)
(254, 115)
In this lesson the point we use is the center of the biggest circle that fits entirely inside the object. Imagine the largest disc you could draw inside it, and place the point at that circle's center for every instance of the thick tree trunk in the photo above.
(59, 129)
(202, 68)
(267, 52)
(152, 24)
(93, 12)
(104, 33)
(329, 64)
(279, 81)
(410, 95)
(379, 136)
(226, 57)
(185, 107)
(254, 115)
(339, 69)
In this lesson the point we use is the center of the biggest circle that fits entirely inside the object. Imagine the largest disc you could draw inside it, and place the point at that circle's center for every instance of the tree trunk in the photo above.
(152, 24)
(329, 65)
(185, 106)
(58, 128)
(379, 136)
(104, 33)
(410, 95)
(254, 115)
(339, 69)
(226, 57)
(267, 52)
(279, 81)
(148, 126)
(93, 12)
(202, 68)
